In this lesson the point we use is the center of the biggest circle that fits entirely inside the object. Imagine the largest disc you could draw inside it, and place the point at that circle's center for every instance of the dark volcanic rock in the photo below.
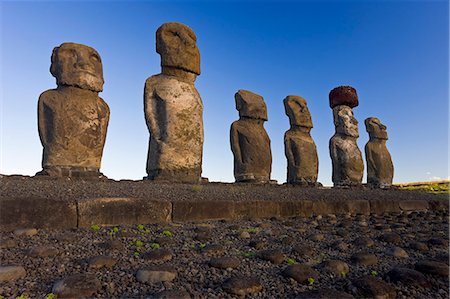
(273, 256)
(76, 286)
(432, 267)
(408, 277)
(371, 287)
(156, 273)
(300, 273)
(242, 286)
(324, 294)
(158, 255)
(366, 259)
(224, 262)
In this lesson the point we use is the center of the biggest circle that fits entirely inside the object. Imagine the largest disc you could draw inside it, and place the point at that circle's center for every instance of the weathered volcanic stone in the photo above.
(156, 273)
(242, 286)
(173, 108)
(77, 286)
(73, 119)
(365, 259)
(250, 143)
(98, 262)
(299, 147)
(348, 166)
(224, 262)
(380, 169)
(324, 294)
(371, 287)
(300, 273)
(42, 251)
(272, 255)
(171, 294)
(408, 277)
(158, 255)
(11, 273)
(343, 95)
(433, 268)
(336, 267)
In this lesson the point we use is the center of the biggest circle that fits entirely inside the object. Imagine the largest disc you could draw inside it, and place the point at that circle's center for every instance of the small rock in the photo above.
(371, 287)
(300, 273)
(203, 236)
(156, 273)
(432, 267)
(287, 240)
(224, 262)
(76, 286)
(336, 267)
(363, 242)
(392, 238)
(102, 261)
(366, 259)
(438, 242)
(324, 294)
(342, 233)
(303, 250)
(257, 244)
(242, 286)
(158, 255)
(418, 246)
(42, 251)
(408, 277)
(26, 232)
(9, 243)
(397, 252)
(339, 245)
(11, 273)
(213, 249)
(273, 256)
(245, 235)
(164, 241)
(171, 294)
(317, 237)
(113, 245)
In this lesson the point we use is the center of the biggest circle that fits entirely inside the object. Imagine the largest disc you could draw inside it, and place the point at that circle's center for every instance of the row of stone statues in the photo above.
(73, 121)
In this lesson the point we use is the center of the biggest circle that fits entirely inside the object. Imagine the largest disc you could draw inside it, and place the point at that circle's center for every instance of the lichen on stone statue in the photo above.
(250, 143)
(299, 147)
(380, 169)
(173, 108)
(348, 166)
(73, 119)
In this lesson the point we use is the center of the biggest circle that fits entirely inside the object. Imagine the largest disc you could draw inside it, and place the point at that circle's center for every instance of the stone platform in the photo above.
(44, 203)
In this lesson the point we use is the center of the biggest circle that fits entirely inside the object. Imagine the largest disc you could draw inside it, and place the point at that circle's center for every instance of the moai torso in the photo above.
(299, 147)
(173, 108)
(348, 166)
(73, 119)
(380, 169)
(250, 143)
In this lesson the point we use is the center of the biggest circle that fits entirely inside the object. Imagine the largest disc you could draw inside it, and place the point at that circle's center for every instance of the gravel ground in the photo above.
(51, 255)
(67, 189)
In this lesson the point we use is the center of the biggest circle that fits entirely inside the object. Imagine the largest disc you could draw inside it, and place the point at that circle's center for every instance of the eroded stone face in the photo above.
(176, 43)
(173, 108)
(300, 149)
(250, 143)
(375, 128)
(73, 119)
(250, 105)
(345, 122)
(380, 169)
(348, 166)
(77, 65)
(297, 111)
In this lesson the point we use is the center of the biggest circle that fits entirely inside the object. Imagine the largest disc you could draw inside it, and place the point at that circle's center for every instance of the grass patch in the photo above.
(441, 187)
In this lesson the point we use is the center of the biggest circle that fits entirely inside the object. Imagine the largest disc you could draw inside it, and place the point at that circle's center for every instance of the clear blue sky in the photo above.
(394, 53)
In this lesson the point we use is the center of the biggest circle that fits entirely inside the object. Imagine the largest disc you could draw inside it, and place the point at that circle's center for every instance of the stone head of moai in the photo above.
(297, 111)
(77, 65)
(250, 105)
(345, 122)
(176, 44)
(375, 128)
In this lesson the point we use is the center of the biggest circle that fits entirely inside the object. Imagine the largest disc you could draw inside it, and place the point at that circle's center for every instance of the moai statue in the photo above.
(73, 119)
(250, 143)
(299, 147)
(380, 170)
(348, 167)
(173, 108)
